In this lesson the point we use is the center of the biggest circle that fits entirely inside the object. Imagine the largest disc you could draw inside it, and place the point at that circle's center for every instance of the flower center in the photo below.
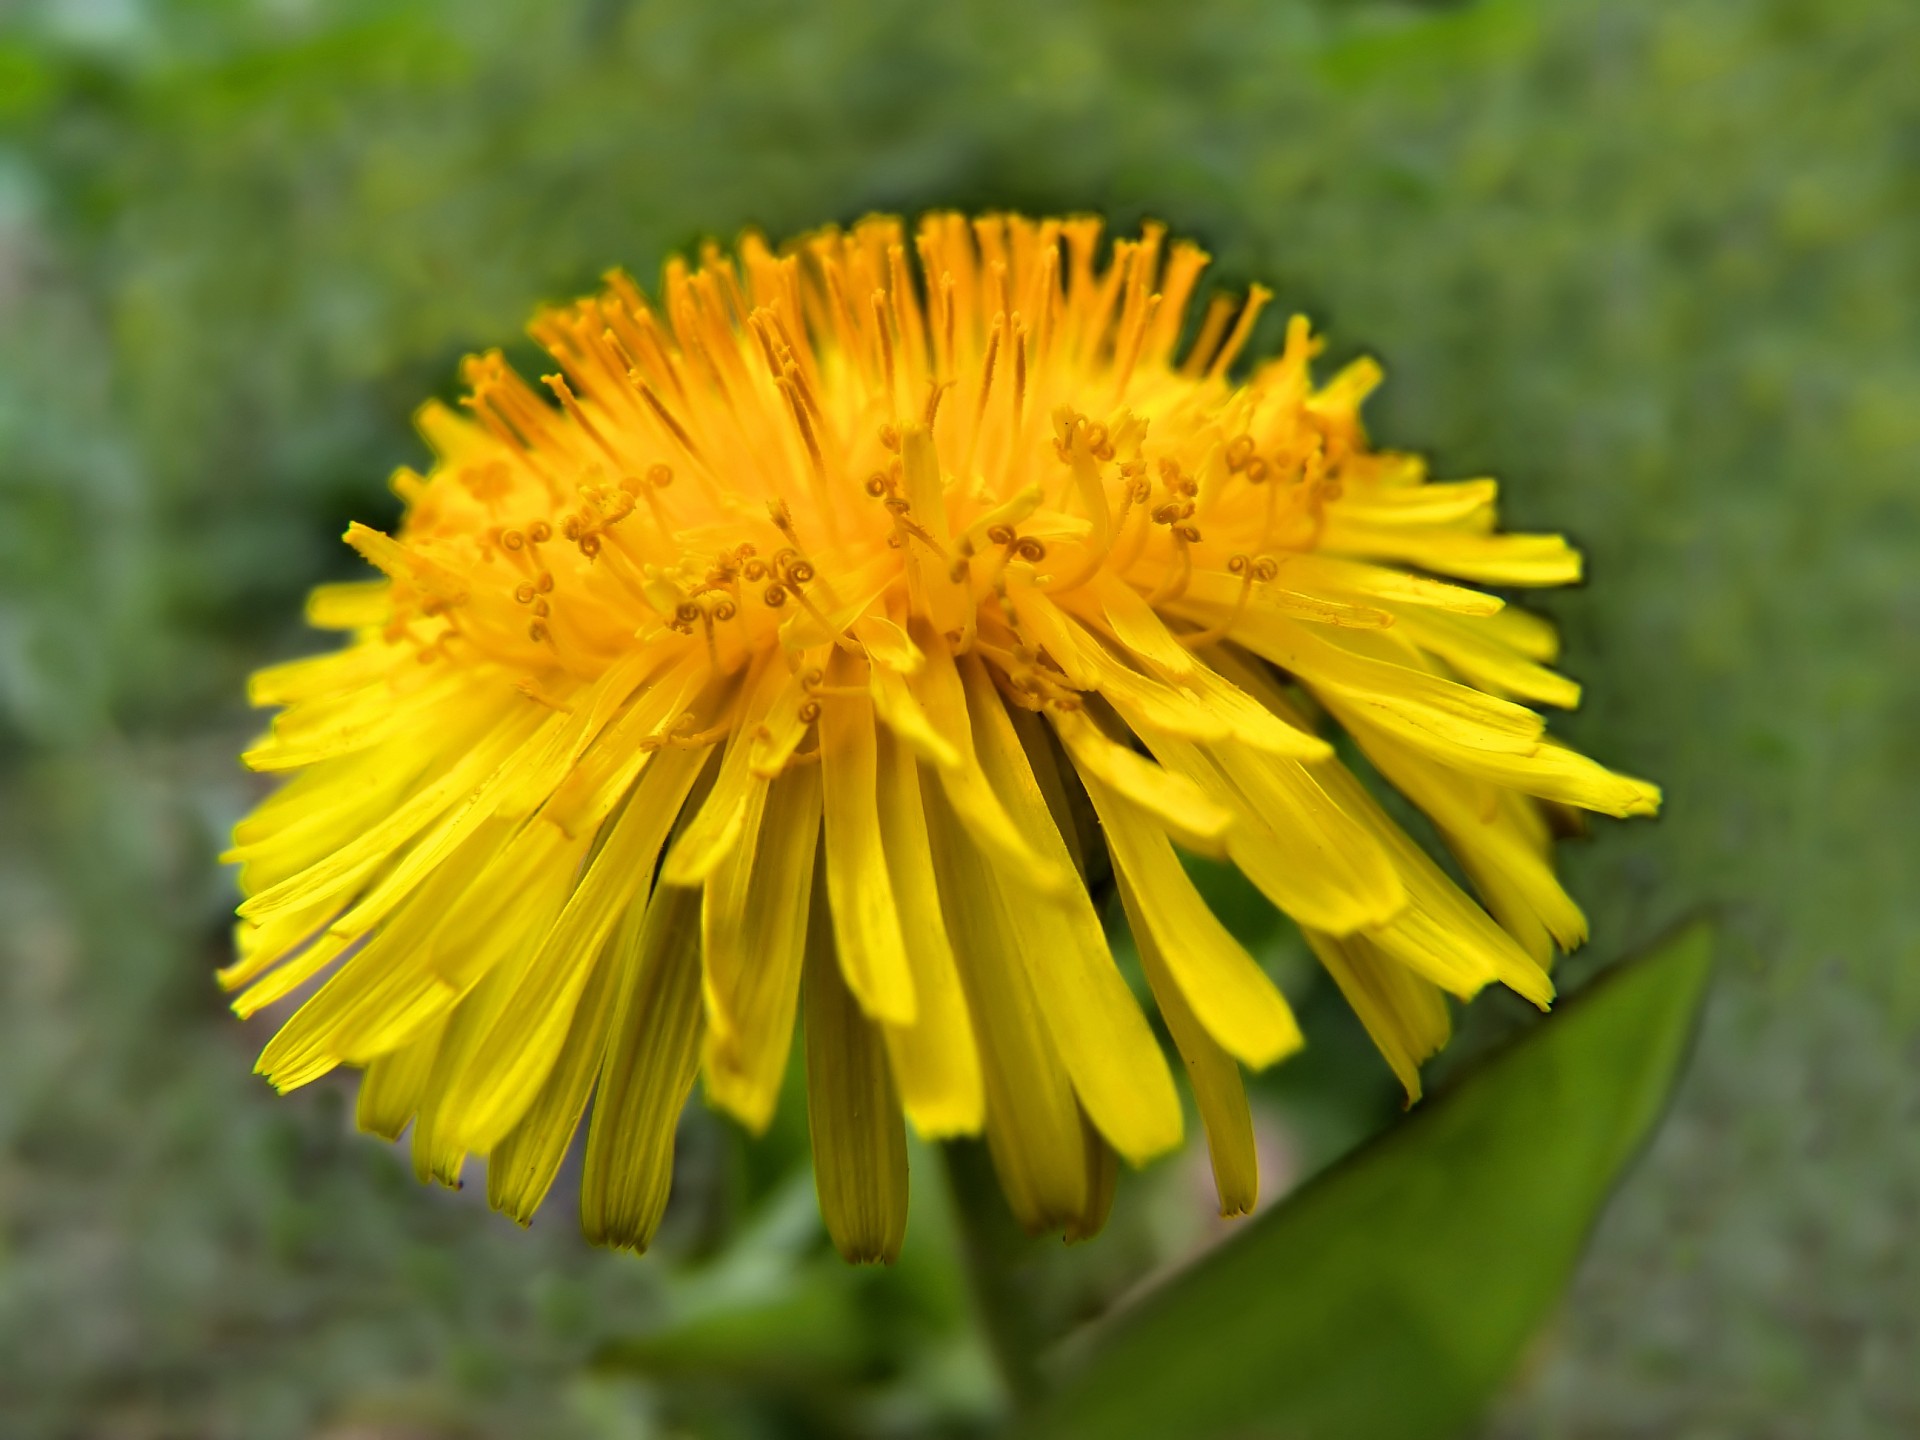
(775, 466)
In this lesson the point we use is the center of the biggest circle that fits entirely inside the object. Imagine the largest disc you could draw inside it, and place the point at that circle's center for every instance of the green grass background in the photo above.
(1655, 263)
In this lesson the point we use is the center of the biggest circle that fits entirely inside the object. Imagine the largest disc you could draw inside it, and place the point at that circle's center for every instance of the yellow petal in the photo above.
(409, 562)
(595, 760)
(392, 1086)
(935, 1061)
(1033, 1124)
(1451, 503)
(1501, 846)
(529, 1035)
(1103, 1040)
(1175, 801)
(1489, 559)
(1072, 813)
(292, 966)
(460, 793)
(1554, 772)
(1410, 701)
(1103, 1176)
(730, 815)
(1252, 723)
(443, 849)
(1320, 574)
(1340, 397)
(1406, 1015)
(1136, 625)
(1474, 650)
(896, 705)
(887, 644)
(1141, 699)
(866, 923)
(342, 724)
(354, 605)
(1220, 597)
(754, 922)
(778, 735)
(1222, 984)
(1534, 636)
(297, 933)
(1212, 1074)
(420, 965)
(1307, 856)
(934, 593)
(853, 1113)
(652, 1055)
(355, 797)
(974, 799)
(506, 915)
(1441, 933)
(314, 676)
(437, 1151)
(521, 1168)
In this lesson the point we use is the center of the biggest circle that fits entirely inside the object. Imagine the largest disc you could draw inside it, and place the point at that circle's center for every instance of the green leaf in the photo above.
(1388, 1299)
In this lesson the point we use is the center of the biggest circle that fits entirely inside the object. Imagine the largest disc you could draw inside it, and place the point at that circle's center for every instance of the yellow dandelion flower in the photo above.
(820, 640)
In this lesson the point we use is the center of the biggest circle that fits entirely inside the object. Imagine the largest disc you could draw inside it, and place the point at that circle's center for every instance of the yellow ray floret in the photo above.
(791, 660)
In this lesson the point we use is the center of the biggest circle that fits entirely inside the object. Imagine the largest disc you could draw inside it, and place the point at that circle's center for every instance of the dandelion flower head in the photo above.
(821, 642)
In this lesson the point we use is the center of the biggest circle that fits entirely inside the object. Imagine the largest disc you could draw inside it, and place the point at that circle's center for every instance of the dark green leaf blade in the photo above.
(1388, 1299)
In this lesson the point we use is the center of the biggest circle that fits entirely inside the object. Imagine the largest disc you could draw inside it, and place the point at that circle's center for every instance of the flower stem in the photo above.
(1000, 1265)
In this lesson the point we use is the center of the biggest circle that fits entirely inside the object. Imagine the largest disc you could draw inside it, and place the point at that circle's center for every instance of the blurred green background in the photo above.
(1655, 263)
